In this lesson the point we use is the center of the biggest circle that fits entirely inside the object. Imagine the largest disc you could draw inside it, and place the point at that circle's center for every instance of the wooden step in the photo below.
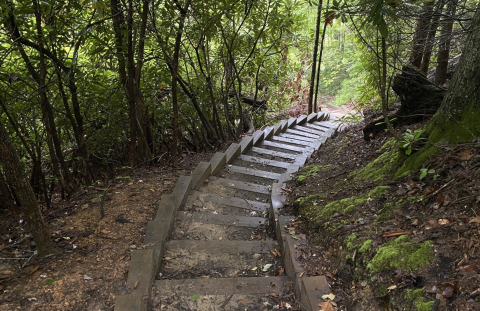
(308, 130)
(300, 133)
(263, 161)
(282, 146)
(253, 172)
(222, 286)
(316, 127)
(274, 153)
(221, 247)
(232, 201)
(241, 185)
(296, 137)
(290, 141)
(327, 124)
(227, 220)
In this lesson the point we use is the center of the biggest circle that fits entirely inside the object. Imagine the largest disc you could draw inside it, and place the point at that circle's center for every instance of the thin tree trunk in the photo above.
(174, 71)
(444, 45)
(421, 32)
(315, 106)
(16, 179)
(427, 53)
(315, 51)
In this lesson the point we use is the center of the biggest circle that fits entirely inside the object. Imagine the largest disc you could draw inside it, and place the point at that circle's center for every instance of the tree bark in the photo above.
(444, 45)
(16, 178)
(457, 118)
(421, 32)
(315, 106)
(315, 51)
(427, 53)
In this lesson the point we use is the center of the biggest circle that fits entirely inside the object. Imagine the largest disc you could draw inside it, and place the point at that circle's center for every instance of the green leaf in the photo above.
(423, 173)
(195, 297)
(50, 281)
(382, 26)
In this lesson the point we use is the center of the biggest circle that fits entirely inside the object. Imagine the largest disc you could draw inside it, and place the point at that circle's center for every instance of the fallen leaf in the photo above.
(330, 275)
(465, 155)
(475, 220)
(326, 306)
(243, 302)
(254, 268)
(330, 296)
(136, 284)
(274, 253)
(266, 267)
(195, 297)
(443, 221)
(281, 271)
(468, 267)
(392, 287)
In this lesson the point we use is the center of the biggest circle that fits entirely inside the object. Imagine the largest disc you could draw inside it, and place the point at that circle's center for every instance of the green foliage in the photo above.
(411, 140)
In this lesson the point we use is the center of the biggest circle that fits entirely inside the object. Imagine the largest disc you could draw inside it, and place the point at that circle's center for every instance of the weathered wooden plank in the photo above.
(253, 172)
(277, 128)
(290, 141)
(232, 201)
(312, 117)
(131, 302)
(300, 133)
(201, 172)
(308, 130)
(241, 185)
(274, 153)
(327, 124)
(233, 152)
(221, 247)
(222, 286)
(141, 272)
(301, 119)
(284, 124)
(268, 132)
(246, 143)
(258, 137)
(182, 187)
(217, 162)
(264, 161)
(282, 146)
(291, 122)
(316, 127)
(227, 220)
(297, 137)
(313, 288)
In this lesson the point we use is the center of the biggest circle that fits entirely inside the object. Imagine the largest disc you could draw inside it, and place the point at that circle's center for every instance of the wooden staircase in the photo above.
(218, 241)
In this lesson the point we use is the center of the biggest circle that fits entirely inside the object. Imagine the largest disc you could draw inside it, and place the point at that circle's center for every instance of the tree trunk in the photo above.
(174, 71)
(421, 32)
(457, 118)
(444, 45)
(314, 64)
(17, 180)
(427, 53)
(315, 108)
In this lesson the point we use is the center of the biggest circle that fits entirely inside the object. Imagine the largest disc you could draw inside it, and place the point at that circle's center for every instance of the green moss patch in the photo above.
(382, 167)
(310, 170)
(419, 302)
(401, 253)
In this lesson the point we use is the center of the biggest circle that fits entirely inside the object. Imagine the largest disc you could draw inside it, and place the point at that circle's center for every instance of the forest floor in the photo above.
(389, 243)
(430, 224)
(93, 256)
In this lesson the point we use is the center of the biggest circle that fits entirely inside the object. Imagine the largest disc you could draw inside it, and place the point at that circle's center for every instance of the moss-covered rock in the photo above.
(401, 253)
(366, 246)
